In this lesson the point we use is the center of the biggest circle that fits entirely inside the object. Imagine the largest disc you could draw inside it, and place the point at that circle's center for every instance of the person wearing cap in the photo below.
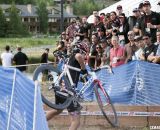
(140, 45)
(119, 10)
(134, 19)
(150, 21)
(20, 58)
(106, 49)
(150, 48)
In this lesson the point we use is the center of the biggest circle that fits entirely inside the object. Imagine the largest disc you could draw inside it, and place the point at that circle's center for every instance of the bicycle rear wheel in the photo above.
(47, 77)
(106, 105)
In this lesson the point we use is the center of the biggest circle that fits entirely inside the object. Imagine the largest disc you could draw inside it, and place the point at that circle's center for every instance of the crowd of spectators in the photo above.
(115, 39)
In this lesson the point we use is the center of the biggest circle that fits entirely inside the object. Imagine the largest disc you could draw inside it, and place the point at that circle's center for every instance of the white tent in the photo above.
(128, 6)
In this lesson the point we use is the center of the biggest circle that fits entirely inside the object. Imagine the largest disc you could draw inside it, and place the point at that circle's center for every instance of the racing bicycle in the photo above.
(60, 83)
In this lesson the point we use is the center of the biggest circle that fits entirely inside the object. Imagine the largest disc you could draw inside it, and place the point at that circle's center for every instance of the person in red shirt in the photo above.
(117, 53)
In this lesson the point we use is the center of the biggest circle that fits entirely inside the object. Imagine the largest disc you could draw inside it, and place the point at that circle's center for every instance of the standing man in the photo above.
(7, 57)
(20, 58)
(44, 56)
(150, 21)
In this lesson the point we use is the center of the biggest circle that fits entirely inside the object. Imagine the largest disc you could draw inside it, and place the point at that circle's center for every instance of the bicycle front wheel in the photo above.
(106, 105)
(47, 77)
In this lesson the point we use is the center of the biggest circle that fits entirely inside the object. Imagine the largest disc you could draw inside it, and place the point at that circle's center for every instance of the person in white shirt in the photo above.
(6, 57)
(139, 43)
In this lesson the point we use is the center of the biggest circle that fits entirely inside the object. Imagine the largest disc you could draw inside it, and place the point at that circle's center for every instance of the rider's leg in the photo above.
(75, 120)
(52, 113)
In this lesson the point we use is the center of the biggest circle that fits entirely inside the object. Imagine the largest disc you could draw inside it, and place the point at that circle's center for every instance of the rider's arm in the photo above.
(80, 60)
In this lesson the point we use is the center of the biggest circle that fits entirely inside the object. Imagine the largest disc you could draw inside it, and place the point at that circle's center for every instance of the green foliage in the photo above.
(18, 1)
(2, 24)
(43, 17)
(86, 7)
(15, 25)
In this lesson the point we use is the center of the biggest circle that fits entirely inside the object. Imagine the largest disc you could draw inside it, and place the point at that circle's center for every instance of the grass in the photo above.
(26, 42)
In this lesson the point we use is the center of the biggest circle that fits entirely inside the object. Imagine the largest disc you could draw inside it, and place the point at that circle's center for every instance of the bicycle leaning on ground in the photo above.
(61, 84)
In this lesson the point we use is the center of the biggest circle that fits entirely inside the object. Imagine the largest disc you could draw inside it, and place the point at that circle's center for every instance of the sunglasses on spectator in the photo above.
(145, 38)
(97, 47)
(130, 34)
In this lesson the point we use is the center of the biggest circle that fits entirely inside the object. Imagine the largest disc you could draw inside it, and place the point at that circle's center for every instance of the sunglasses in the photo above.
(130, 34)
(145, 38)
(97, 47)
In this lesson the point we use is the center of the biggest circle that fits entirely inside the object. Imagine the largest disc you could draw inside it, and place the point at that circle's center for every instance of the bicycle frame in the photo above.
(92, 80)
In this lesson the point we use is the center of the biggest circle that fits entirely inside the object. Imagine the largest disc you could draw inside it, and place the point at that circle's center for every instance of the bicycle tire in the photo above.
(45, 100)
(106, 103)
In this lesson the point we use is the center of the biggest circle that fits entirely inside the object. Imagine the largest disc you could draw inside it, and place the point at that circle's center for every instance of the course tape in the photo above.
(119, 113)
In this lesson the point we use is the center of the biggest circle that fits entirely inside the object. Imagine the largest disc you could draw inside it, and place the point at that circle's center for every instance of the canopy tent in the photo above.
(128, 6)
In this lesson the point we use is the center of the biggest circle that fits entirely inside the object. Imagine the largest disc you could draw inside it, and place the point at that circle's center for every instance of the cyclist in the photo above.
(76, 60)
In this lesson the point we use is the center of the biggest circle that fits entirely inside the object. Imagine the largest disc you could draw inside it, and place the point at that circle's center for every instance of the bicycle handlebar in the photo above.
(60, 54)
(104, 67)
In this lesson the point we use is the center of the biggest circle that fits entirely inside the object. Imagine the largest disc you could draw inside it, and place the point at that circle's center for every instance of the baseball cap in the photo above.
(135, 10)
(137, 38)
(119, 7)
(146, 2)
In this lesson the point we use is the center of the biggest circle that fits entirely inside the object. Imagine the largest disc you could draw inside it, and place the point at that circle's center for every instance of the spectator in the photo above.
(119, 10)
(156, 58)
(158, 38)
(150, 49)
(99, 54)
(71, 29)
(102, 16)
(101, 34)
(80, 33)
(150, 21)
(130, 48)
(20, 58)
(123, 30)
(98, 25)
(44, 56)
(7, 57)
(117, 53)
(93, 52)
(114, 19)
(106, 49)
(134, 19)
(140, 7)
(86, 26)
(140, 45)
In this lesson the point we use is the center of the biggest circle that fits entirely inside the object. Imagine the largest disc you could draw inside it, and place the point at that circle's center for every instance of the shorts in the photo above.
(73, 107)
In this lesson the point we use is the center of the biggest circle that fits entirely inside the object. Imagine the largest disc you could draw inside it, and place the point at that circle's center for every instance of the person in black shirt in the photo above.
(44, 56)
(20, 58)
(150, 21)
(150, 49)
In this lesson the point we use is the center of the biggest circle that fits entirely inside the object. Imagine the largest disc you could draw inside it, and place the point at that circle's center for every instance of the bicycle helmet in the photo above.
(80, 47)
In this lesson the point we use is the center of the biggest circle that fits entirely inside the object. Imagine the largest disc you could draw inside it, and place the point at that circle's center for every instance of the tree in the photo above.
(85, 7)
(2, 24)
(15, 25)
(43, 17)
